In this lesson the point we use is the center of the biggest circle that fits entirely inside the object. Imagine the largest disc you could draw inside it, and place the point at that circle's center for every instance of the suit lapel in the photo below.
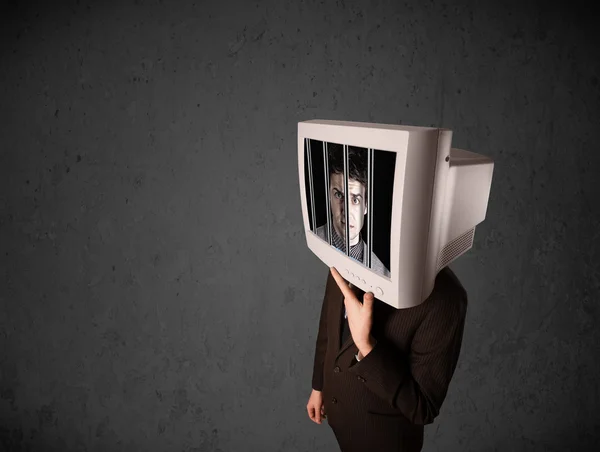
(345, 346)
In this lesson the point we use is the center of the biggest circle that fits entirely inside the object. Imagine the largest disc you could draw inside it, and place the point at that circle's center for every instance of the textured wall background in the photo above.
(157, 293)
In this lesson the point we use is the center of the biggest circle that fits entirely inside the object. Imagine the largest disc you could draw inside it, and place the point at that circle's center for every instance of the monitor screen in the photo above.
(357, 225)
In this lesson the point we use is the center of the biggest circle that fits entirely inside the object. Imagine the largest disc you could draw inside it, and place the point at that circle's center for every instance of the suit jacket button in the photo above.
(336, 369)
(333, 400)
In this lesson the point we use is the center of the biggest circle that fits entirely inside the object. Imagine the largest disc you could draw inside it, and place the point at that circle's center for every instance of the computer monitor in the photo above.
(412, 206)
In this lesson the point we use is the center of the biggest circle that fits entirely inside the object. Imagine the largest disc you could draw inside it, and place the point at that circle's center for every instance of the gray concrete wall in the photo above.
(157, 292)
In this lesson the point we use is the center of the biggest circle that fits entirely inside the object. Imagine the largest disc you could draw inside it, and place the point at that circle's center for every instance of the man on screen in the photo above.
(357, 204)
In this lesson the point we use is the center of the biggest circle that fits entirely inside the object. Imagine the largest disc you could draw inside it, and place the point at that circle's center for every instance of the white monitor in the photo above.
(412, 208)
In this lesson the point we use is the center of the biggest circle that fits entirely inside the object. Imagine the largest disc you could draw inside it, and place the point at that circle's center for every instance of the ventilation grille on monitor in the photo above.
(455, 248)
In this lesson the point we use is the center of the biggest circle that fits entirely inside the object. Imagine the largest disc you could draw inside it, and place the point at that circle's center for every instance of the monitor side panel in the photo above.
(413, 215)
(435, 239)
(467, 193)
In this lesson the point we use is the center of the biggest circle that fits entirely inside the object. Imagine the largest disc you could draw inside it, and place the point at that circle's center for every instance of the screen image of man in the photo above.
(357, 204)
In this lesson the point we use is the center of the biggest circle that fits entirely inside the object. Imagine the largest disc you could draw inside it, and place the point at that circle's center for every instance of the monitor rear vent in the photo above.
(455, 248)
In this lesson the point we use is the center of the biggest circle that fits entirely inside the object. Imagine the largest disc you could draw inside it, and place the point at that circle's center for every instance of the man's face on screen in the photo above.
(357, 207)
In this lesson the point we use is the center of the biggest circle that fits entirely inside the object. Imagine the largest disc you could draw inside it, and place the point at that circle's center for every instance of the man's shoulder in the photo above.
(448, 292)
(449, 278)
(321, 231)
(378, 266)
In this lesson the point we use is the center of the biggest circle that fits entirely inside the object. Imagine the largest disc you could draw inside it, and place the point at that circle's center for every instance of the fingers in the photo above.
(311, 412)
(341, 282)
(368, 300)
(315, 415)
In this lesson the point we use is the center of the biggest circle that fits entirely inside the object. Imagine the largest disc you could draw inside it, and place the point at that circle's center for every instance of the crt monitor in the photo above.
(389, 206)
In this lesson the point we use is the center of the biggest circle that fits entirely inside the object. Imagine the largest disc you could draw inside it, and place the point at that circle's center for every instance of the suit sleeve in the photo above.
(417, 385)
(321, 343)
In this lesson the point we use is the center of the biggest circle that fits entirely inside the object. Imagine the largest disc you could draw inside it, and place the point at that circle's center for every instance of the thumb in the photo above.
(368, 300)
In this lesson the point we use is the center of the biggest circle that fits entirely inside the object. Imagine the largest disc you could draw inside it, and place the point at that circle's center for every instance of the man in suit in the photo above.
(380, 373)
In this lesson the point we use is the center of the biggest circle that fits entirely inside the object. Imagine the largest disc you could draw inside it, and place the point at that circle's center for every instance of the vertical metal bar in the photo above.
(346, 169)
(369, 206)
(371, 197)
(312, 190)
(327, 189)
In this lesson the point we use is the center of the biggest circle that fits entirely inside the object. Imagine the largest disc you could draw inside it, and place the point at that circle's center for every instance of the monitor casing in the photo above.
(439, 195)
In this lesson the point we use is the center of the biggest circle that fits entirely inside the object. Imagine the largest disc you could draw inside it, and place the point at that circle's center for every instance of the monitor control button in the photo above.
(346, 271)
(363, 281)
(379, 291)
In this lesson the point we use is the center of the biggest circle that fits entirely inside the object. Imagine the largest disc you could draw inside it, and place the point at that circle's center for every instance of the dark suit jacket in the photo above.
(382, 402)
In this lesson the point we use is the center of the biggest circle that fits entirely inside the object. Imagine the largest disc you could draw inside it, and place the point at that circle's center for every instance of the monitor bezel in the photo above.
(366, 135)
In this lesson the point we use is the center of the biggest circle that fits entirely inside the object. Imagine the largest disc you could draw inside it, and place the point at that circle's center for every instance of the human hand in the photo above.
(315, 407)
(360, 315)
